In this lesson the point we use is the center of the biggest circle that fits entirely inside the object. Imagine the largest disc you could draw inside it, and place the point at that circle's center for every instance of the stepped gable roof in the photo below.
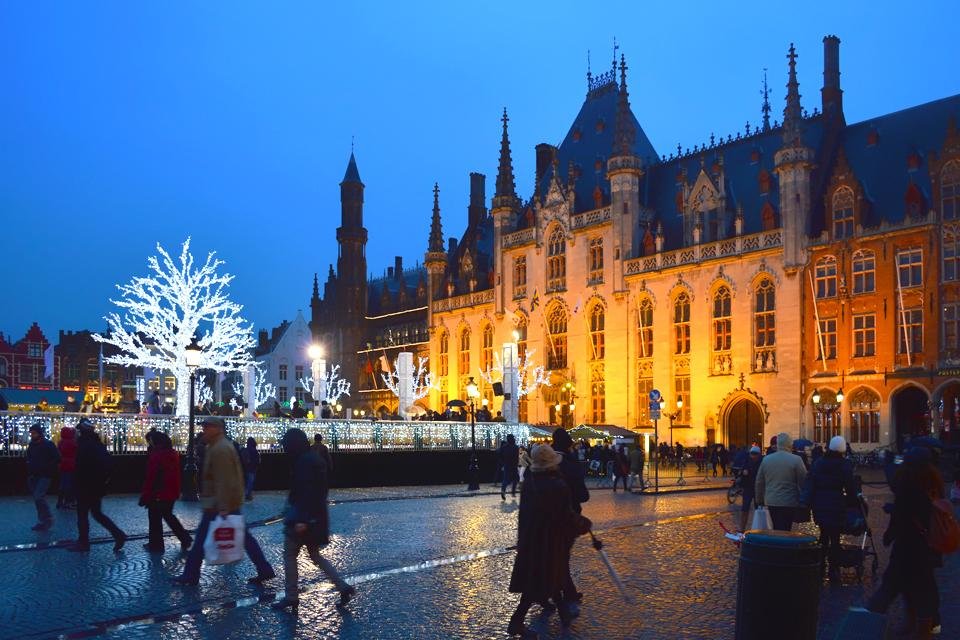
(589, 139)
(741, 180)
(375, 287)
(877, 151)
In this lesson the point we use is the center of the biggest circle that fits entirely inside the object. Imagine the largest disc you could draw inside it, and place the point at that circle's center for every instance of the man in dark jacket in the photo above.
(92, 475)
(324, 453)
(572, 474)
(307, 520)
(509, 456)
(42, 461)
(298, 412)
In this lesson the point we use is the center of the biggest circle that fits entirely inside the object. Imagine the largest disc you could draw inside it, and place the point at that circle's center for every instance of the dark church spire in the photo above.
(765, 108)
(624, 133)
(506, 192)
(316, 287)
(436, 231)
(352, 174)
(792, 112)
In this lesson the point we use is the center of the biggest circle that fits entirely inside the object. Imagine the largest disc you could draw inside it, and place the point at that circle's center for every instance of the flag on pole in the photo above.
(535, 300)
(48, 362)
(384, 364)
(100, 363)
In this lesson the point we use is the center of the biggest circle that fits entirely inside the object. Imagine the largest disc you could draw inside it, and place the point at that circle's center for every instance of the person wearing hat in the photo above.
(91, 477)
(748, 480)
(221, 494)
(779, 480)
(828, 489)
(546, 528)
(42, 461)
(572, 473)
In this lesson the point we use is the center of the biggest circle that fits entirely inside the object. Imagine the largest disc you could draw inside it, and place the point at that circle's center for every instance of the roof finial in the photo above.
(436, 231)
(505, 194)
(765, 108)
(589, 74)
(792, 113)
(351, 144)
(624, 133)
(615, 48)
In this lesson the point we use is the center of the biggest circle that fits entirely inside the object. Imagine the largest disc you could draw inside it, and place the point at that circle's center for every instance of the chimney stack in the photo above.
(831, 95)
(398, 267)
(545, 154)
(476, 210)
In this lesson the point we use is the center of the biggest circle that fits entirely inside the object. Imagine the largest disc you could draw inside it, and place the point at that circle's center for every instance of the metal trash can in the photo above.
(778, 586)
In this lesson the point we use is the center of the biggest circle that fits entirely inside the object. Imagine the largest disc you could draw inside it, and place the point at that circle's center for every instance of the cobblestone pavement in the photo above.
(426, 564)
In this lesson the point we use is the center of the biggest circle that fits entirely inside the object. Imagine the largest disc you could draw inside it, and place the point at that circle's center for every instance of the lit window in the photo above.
(910, 327)
(464, 361)
(596, 261)
(644, 387)
(646, 328)
(443, 362)
(598, 396)
(864, 272)
(520, 277)
(557, 326)
(826, 277)
(521, 330)
(169, 383)
(950, 191)
(486, 350)
(556, 261)
(827, 341)
(681, 324)
(843, 213)
(282, 394)
(951, 256)
(910, 267)
(721, 320)
(764, 326)
(597, 347)
(864, 417)
(864, 335)
(682, 392)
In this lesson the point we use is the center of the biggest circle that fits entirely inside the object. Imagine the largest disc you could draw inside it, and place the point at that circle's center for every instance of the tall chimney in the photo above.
(398, 267)
(476, 210)
(831, 95)
(545, 154)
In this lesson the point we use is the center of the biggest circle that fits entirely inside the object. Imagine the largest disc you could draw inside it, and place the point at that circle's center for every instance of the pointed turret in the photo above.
(765, 107)
(435, 245)
(435, 259)
(352, 174)
(792, 112)
(624, 133)
(505, 195)
(316, 286)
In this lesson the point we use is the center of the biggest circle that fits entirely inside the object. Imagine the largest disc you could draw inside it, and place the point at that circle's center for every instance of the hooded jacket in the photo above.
(309, 486)
(68, 449)
(42, 458)
(162, 482)
(93, 465)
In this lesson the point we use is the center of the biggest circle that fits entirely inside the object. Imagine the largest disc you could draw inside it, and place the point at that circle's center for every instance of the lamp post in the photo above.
(673, 416)
(473, 471)
(194, 354)
(824, 407)
(317, 370)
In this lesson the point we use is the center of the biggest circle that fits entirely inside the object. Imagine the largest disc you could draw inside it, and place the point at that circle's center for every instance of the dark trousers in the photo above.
(510, 478)
(569, 588)
(915, 581)
(67, 495)
(191, 570)
(292, 543)
(830, 541)
(38, 488)
(782, 517)
(526, 602)
(91, 505)
(158, 512)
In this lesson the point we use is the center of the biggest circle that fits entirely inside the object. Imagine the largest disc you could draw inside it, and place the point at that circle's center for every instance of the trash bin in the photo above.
(778, 586)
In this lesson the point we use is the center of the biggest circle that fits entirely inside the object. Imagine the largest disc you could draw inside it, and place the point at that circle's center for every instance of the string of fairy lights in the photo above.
(125, 433)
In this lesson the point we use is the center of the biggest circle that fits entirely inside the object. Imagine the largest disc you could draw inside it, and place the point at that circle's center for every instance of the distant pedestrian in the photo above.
(723, 459)
(222, 494)
(546, 529)
(636, 465)
(307, 519)
(621, 468)
(324, 453)
(748, 480)
(94, 466)
(509, 456)
(42, 461)
(714, 458)
(161, 489)
(68, 465)
(828, 489)
(523, 463)
(779, 480)
(326, 411)
(499, 417)
(297, 412)
(251, 462)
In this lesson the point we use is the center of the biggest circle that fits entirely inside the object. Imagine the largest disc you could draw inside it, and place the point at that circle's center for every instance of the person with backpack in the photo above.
(42, 461)
(94, 465)
(161, 488)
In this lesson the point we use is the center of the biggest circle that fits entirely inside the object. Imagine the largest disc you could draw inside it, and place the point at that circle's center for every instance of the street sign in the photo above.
(654, 396)
(654, 404)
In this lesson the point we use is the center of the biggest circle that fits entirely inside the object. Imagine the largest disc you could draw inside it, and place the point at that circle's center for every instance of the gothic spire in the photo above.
(624, 133)
(765, 109)
(506, 191)
(436, 231)
(352, 174)
(792, 112)
(316, 287)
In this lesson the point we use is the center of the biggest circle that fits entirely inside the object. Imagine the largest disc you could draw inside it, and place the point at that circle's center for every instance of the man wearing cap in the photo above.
(221, 493)
(748, 480)
(572, 474)
(42, 460)
(91, 477)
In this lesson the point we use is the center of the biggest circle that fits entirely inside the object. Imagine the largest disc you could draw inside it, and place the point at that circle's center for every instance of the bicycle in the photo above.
(735, 490)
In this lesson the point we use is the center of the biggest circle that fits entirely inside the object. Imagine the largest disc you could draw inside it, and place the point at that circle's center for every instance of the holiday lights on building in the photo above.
(164, 311)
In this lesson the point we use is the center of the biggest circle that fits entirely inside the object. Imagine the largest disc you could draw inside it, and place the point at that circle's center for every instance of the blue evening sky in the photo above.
(127, 123)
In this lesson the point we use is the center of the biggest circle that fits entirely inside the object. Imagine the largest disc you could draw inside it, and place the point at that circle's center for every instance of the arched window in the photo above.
(521, 337)
(443, 361)
(721, 320)
(951, 256)
(463, 363)
(597, 348)
(557, 326)
(864, 406)
(519, 277)
(764, 326)
(842, 213)
(595, 266)
(826, 277)
(864, 271)
(557, 260)
(486, 349)
(598, 396)
(950, 191)
(681, 324)
(645, 328)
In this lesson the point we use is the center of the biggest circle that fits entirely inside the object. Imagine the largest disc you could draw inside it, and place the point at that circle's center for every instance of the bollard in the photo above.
(778, 586)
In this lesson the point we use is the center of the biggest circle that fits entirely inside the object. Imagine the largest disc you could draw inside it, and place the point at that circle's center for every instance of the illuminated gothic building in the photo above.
(712, 274)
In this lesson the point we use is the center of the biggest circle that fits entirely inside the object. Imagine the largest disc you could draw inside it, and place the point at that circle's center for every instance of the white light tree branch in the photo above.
(264, 390)
(202, 393)
(422, 380)
(333, 385)
(530, 376)
(162, 312)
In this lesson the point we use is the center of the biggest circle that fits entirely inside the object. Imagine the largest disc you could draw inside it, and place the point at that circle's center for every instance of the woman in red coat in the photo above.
(161, 488)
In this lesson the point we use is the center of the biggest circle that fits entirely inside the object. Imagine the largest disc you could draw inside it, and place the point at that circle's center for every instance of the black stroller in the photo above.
(854, 536)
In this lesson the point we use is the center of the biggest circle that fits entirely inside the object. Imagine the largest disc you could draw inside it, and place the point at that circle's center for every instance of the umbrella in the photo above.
(926, 441)
(456, 403)
(598, 545)
(802, 443)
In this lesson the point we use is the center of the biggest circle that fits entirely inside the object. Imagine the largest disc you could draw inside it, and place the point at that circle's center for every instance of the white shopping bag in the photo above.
(761, 519)
(224, 543)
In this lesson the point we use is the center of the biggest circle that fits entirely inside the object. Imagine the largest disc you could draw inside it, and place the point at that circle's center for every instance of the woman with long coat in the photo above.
(828, 489)
(546, 527)
(161, 488)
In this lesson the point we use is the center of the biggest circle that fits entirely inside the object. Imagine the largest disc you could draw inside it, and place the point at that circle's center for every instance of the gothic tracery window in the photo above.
(764, 326)
(557, 326)
(597, 346)
(556, 260)
(681, 324)
(950, 191)
(843, 213)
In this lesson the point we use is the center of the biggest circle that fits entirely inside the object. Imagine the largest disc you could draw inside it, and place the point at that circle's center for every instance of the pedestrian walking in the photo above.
(523, 463)
(222, 494)
(546, 529)
(828, 489)
(251, 462)
(714, 458)
(509, 456)
(68, 465)
(748, 480)
(324, 453)
(94, 465)
(621, 468)
(723, 459)
(573, 475)
(779, 481)
(636, 465)
(161, 488)
(42, 461)
(307, 519)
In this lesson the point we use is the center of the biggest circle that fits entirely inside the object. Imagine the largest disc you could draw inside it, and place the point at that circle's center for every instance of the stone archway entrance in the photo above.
(909, 410)
(743, 423)
(946, 405)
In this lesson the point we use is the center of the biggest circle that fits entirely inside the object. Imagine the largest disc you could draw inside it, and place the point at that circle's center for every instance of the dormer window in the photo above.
(843, 213)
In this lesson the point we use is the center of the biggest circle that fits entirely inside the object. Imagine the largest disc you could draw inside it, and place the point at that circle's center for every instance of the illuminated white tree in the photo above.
(332, 384)
(162, 312)
(530, 376)
(265, 391)
(202, 393)
(421, 381)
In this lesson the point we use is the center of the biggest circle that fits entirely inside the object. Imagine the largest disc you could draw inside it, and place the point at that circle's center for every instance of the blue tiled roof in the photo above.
(375, 287)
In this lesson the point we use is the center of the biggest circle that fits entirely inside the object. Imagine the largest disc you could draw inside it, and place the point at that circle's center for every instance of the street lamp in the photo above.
(473, 471)
(673, 416)
(194, 355)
